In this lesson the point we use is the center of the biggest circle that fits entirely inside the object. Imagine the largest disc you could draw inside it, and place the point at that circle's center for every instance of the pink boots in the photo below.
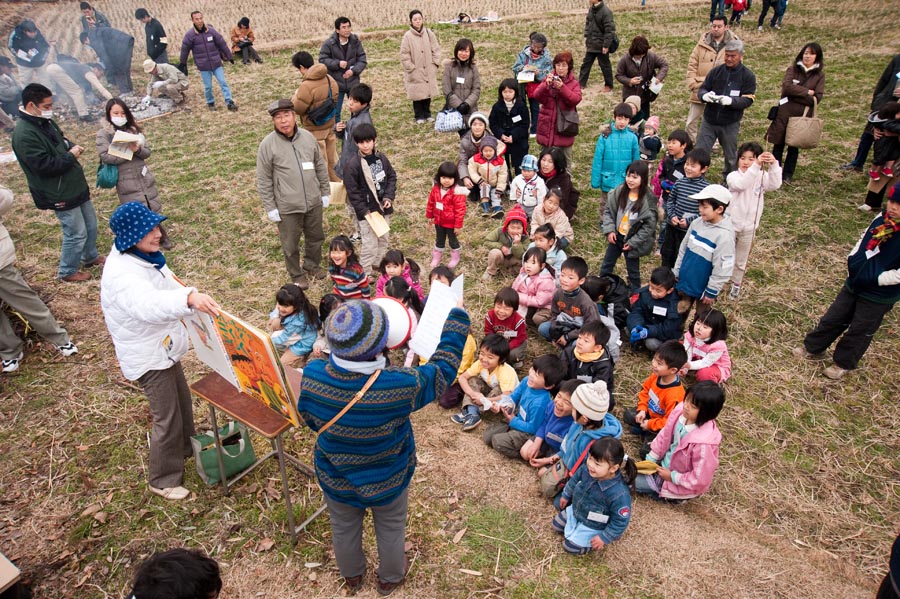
(454, 257)
(436, 255)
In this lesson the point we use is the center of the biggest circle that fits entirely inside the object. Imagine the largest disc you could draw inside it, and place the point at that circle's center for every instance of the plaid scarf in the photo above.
(882, 233)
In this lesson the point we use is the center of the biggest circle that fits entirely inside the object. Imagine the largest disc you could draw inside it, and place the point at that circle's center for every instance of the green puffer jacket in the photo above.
(55, 177)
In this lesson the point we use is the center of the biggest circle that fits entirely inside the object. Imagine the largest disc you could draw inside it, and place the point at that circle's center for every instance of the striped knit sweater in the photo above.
(679, 202)
(368, 457)
(350, 282)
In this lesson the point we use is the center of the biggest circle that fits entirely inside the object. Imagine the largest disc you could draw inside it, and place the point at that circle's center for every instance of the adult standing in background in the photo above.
(143, 304)
(344, 57)
(600, 41)
(420, 56)
(728, 90)
(317, 89)
(91, 17)
(560, 91)
(534, 57)
(209, 48)
(56, 181)
(803, 81)
(28, 46)
(292, 180)
(461, 81)
(114, 48)
(157, 42)
(706, 55)
(637, 70)
(887, 89)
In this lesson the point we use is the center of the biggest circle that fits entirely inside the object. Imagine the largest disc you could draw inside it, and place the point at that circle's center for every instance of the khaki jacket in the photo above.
(312, 92)
(702, 60)
(420, 56)
(291, 174)
(7, 249)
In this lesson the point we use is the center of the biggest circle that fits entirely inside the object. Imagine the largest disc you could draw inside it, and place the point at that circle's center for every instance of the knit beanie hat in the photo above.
(357, 331)
(489, 141)
(478, 115)
(653, 123)
(634, 101)
(131, 222)
(591, 400)
(516, 213)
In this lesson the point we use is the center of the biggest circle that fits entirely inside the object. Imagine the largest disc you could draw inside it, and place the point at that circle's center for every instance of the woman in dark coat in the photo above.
(509, 121)
(637, 69)
(552, 165)
(803, 81)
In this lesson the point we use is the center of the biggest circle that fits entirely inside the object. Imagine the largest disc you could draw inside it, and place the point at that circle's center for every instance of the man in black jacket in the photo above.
(345, 58)
(114, 49)
(727, 91)
(886, 90)
(157, 43)
(599, 40)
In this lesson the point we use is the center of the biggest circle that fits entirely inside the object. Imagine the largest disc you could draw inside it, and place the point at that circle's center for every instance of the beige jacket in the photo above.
(312, 92)
(420, 56)
(7, 249)
(168, 73)
(702, 60)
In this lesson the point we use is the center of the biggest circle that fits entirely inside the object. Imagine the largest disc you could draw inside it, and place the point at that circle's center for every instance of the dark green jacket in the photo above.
(55, 177)
(599, 28)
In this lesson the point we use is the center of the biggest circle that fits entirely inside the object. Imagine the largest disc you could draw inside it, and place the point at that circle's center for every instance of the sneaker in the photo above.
(777, 25)
(735, 292)
(834, 372)
(318, 274)
(430, 119)
(851, 167)
(173, 493)
(875, 175)
(471, 421)
(497, 212)
(98, 261)
(232, 107)
(487, 277)
(532, 135)
(420, 121)
(887, 171)
(355, 583)
(302, 282)
(607, 89)
(800, 352)
(13, 364)
(759, 29)
(456, 418)
(213, 108)
(68, 349)
(356, 238)
(76, 277)
(485, 209)
(865, 208)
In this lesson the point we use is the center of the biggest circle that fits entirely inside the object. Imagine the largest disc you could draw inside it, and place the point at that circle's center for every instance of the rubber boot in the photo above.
(436, 255)
(454, 257)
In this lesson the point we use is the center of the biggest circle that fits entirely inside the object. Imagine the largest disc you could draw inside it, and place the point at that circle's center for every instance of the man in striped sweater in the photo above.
(681, 209)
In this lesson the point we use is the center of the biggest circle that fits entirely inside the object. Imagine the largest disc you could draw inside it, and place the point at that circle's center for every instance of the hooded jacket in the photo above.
(693, 463)
(612, 155)
(499, 237)
(313, 90)
(534, 292)
(578, 437)
(468, 147)
(332, 53)
(208, 46)
(447, 209)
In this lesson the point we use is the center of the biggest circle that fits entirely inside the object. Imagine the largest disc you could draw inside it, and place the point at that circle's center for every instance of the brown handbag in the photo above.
(804, 132)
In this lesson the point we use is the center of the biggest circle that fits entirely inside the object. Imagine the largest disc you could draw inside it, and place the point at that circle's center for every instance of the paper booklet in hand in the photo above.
(441, 299)
(118, 147)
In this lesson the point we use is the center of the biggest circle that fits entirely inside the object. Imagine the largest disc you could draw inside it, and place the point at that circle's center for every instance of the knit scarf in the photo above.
(589, 356)
(157, 259)
(882, 233)
(550, 175)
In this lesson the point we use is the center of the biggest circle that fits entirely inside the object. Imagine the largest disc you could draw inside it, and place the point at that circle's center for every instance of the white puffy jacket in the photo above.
(143, 308)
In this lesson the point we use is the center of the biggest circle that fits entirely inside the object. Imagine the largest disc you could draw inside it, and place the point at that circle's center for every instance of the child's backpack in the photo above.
(616, 299)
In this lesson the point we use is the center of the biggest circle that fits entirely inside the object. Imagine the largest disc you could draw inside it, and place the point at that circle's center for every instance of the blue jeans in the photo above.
(544, 330)
(79, 242)
(716, 8)
(340, 106)
(207, 85)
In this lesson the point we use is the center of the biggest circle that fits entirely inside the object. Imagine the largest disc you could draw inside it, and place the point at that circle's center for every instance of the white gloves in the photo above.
(725, 100)
(709, 97)
(158, 84)
(274, 216)
(145, 100)
(325, 201)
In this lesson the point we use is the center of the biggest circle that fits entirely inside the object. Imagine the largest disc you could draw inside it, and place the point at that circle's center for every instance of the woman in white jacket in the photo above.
(143, 306)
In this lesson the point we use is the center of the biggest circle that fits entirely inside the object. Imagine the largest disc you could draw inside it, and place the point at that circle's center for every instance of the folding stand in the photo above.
(221, 394)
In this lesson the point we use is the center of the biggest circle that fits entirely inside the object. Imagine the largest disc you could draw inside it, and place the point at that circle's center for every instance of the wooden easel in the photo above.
(222, 395)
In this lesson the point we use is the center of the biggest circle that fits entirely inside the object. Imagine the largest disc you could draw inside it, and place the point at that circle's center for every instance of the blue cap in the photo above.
(131, 222)
(529, 163)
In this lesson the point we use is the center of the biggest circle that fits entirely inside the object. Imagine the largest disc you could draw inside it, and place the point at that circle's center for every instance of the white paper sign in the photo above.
(441, 299)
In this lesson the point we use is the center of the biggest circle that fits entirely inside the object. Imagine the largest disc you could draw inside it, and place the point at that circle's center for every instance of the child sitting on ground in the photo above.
(544, 237)
(706, 256)
(588, 359)
(557, 420)
(505, 320)
(526, 414)
(535, 285)
(705, 345)
(394, 264)
(445, 211)
(486, 380)
(649, 143)
(591, 421)
(350, 280)
(654, 315)
(748, 185)
(613, 153)
(596, 502)
(528, 189)
(661, 392)
(686, 450)
(506, 244)
(571, 308)
(487, 171)
(681, 207)
(671, 169)
(549, 213)
(294, 324)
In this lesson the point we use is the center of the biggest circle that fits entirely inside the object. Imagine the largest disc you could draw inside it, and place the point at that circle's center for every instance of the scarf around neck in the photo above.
(882, 233)
(157, 259)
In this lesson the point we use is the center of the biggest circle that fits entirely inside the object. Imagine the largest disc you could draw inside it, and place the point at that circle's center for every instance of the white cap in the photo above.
(714, 192)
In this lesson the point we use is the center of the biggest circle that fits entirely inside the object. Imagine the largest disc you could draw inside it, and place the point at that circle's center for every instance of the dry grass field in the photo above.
(805, 501)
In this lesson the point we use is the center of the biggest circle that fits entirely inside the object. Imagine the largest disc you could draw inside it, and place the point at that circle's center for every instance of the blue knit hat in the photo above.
(357, 331)
(131, 222)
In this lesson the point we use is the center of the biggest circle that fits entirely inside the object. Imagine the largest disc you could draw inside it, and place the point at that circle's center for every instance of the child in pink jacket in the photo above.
(535, 285)
(686, 450)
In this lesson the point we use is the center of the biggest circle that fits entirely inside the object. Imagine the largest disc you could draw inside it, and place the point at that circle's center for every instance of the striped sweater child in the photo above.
(679, 203)
(350, 282)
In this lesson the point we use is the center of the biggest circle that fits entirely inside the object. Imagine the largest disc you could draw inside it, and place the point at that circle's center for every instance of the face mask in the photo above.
(47, 114)
(119, 121)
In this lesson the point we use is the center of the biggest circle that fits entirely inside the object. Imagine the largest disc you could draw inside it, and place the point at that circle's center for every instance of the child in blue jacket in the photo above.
(613, 153)
(654, 315)
(530, 400)
(294, 324)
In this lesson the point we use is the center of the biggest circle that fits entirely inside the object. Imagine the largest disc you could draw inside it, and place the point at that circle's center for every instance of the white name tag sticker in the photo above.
(598, 517)
(796, 81)
(209, 38)
(660, 310)
(144, 171)
(727, 261)
(163, 40)
(871, 253)
(509, 334)
(308, 166)
(517, 118)
(782, 101)
(438, 206)
(460, 80)
(735, 93)
(678, 175)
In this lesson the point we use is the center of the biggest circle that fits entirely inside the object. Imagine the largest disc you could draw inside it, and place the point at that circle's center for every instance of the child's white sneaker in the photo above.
(864, 208)
(68, 349)
(12, 364)
(735, 292)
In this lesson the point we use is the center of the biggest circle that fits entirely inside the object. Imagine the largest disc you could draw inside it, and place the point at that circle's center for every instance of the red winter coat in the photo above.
(568, 97)
(452, 210)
